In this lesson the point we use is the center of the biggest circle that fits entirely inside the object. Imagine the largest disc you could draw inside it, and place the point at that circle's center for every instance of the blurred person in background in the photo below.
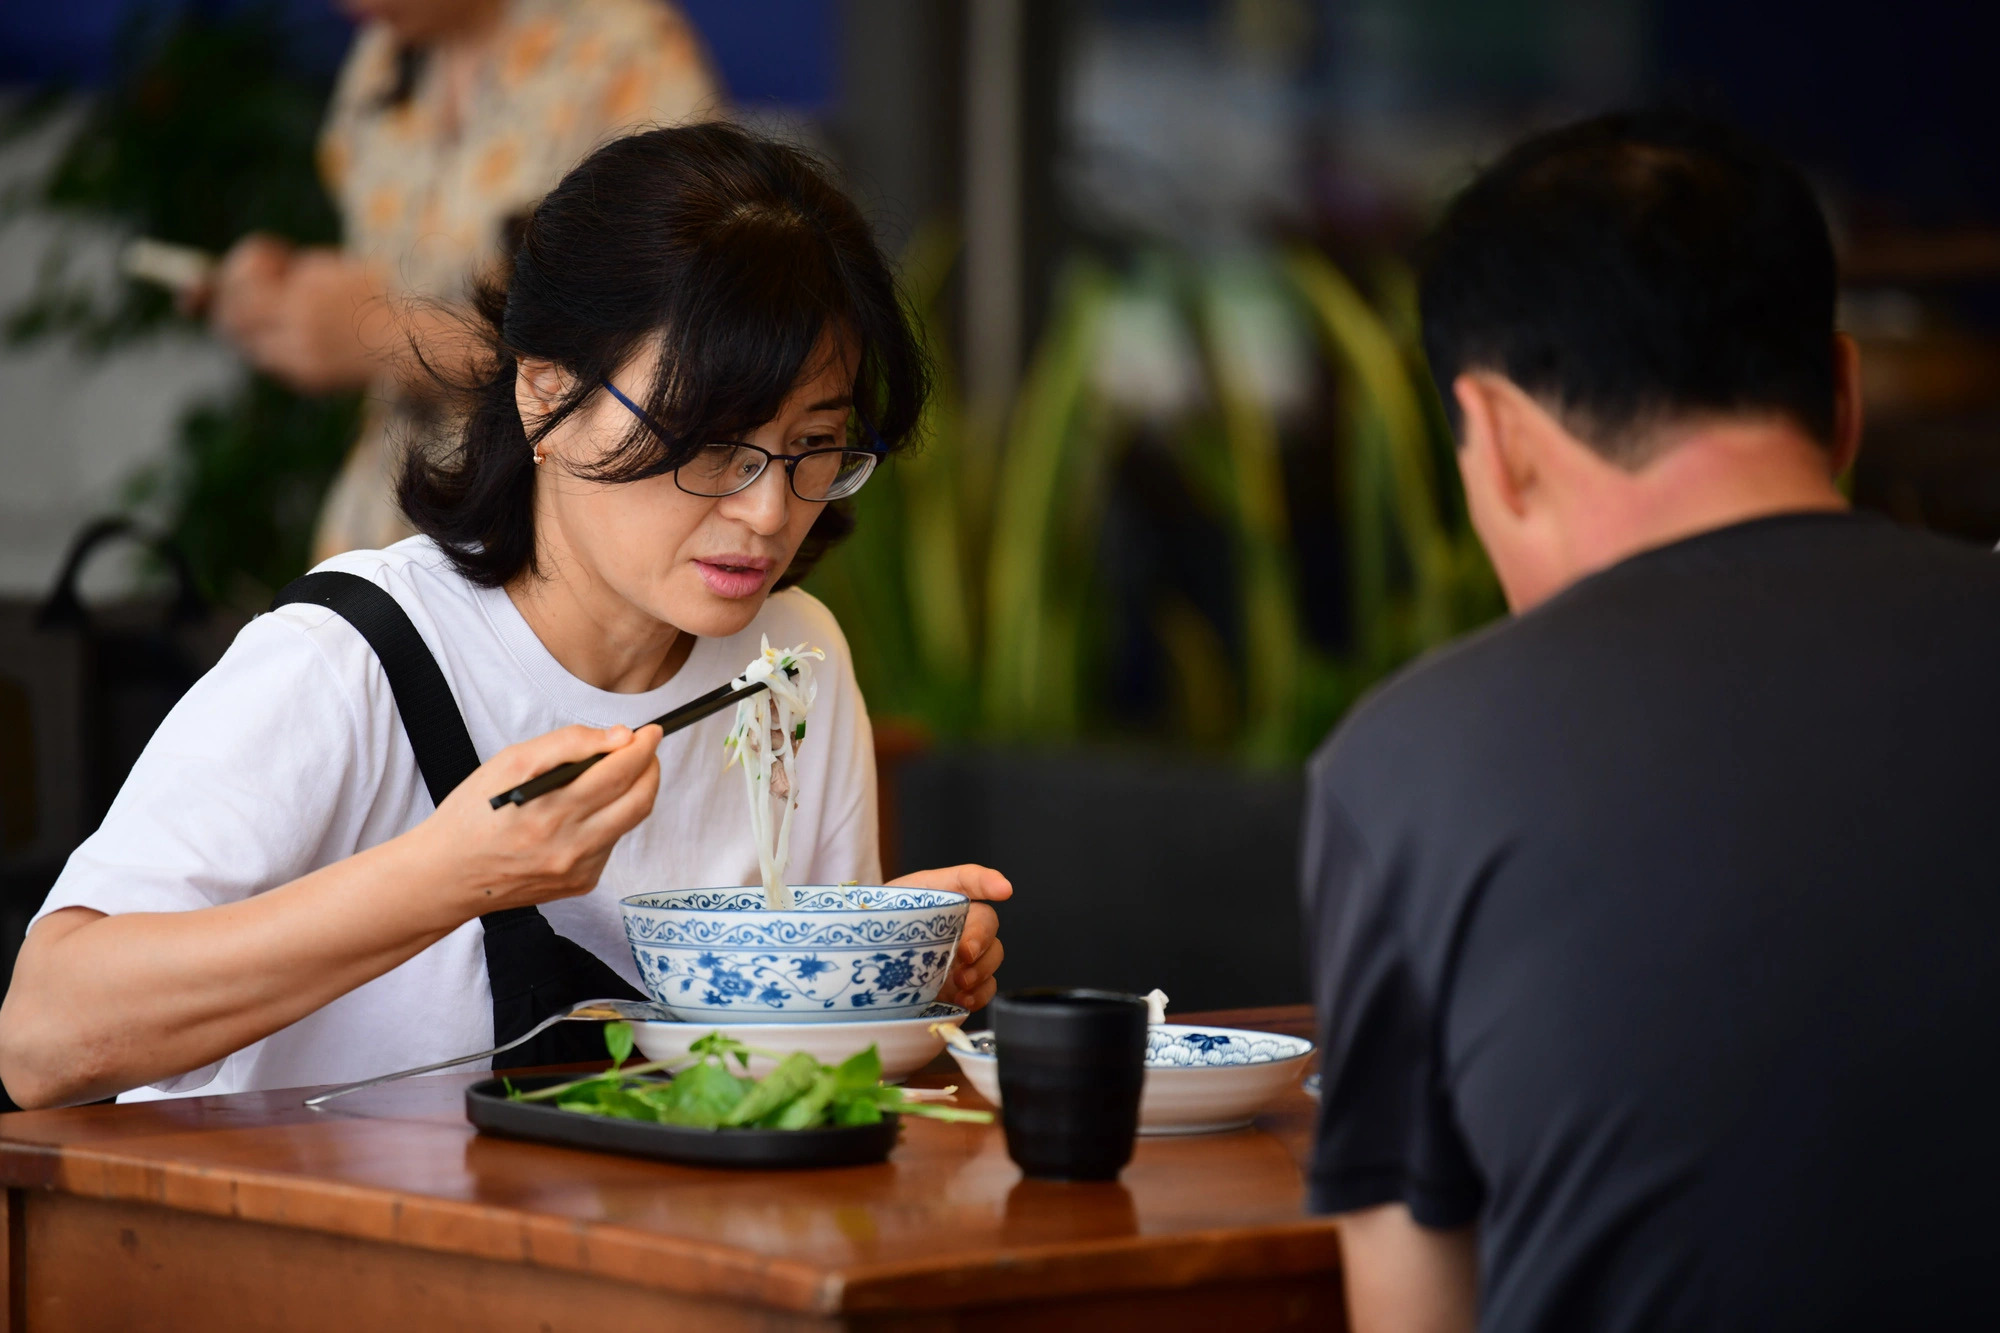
(1653, 930)
(450, 119)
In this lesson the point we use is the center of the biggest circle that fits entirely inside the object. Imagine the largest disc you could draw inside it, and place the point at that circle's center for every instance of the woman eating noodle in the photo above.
(698, 354)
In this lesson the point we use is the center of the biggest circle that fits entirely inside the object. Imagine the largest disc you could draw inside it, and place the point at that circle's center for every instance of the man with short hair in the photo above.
(1656, 931)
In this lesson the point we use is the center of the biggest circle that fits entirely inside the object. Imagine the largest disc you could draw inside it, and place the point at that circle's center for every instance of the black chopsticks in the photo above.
(685, 716)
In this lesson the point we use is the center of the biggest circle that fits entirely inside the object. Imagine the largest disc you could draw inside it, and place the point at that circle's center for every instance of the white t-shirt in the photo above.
(290, 755)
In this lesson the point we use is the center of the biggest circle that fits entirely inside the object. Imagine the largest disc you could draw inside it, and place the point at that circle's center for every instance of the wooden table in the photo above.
(387, 1211)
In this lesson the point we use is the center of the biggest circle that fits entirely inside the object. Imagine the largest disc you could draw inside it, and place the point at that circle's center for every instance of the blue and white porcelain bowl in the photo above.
(842, 954)
(1199, 1080)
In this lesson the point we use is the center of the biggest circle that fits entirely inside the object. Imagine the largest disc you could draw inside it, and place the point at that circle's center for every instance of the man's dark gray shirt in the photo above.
(1657, 933)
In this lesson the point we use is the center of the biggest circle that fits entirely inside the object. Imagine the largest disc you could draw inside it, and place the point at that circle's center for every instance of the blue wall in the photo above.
(780, 51)
(768, 51)
(73, 41)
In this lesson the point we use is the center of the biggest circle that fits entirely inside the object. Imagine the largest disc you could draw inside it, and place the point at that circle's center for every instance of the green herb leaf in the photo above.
(618, 1037)
(809, 1110)
(616, 1101)
(720, 1046)
(857, 1111)
(704, 1097)
(892, 1099)
(801, 1093)
(793, 1076)
(939, 1111)
(558, 1090)
(583, 1089)
(861, 1071)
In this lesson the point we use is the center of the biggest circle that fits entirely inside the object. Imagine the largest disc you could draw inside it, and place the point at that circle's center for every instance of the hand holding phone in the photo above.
(181, 269)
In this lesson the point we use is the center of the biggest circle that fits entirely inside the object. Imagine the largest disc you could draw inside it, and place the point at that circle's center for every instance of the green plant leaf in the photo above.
(809, 1108)
(720, 1045)
(860, 1071)
(1267, 600)
(793, 1076)
(939, 1111)
(1030, 672)
(616, 1101)
(705, 1096)
(857, 1111)
(971, 592)
(618, 1039)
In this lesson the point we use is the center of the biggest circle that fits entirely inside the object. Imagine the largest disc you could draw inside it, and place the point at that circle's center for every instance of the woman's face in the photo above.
(703, 565)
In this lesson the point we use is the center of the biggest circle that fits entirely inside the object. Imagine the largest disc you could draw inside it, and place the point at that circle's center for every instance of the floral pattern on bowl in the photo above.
(1174, 1046)
(1198, 1080)
(840, 954)
(1177, 1046)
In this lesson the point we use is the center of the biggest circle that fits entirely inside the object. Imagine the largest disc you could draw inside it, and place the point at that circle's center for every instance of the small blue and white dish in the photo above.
(719, 956)
(1178, 1046)
(1199, 1080)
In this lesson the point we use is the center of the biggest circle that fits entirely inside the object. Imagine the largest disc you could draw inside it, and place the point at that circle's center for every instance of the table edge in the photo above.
(678, 1264)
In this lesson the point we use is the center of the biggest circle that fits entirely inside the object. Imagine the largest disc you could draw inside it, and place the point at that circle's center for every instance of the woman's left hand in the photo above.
(971, 983)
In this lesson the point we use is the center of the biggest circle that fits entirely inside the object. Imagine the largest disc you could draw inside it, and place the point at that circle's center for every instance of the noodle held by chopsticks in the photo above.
(770, 726)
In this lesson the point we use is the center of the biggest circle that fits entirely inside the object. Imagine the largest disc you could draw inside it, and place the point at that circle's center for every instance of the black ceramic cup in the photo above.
(1072, 1063)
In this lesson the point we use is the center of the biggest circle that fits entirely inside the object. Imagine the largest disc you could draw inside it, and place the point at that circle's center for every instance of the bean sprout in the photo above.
(770, 726)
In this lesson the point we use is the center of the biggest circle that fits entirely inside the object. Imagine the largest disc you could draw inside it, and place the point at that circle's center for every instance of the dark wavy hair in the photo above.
(731, 252)
(1637, 269)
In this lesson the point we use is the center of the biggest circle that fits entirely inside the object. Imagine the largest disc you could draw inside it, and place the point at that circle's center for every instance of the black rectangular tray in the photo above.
(488, 1108)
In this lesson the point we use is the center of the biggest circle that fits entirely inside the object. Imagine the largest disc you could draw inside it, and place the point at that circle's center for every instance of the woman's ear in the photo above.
(540, 386)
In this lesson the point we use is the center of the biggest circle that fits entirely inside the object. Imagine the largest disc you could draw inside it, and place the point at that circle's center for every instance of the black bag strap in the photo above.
(430, 714)
(532, 971)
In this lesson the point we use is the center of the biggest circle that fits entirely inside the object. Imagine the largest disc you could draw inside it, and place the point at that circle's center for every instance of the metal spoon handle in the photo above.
(321, 1099)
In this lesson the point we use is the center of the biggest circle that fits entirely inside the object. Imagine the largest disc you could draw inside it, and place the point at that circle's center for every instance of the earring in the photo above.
(538, 456)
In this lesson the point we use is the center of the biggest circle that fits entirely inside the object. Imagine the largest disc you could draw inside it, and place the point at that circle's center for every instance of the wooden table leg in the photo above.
(13, 1304)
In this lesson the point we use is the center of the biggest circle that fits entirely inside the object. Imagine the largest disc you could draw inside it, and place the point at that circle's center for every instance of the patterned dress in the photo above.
(426, 190)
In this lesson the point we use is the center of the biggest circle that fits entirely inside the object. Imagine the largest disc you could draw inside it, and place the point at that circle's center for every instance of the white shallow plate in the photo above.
(1199, 1080)
(906, 1044)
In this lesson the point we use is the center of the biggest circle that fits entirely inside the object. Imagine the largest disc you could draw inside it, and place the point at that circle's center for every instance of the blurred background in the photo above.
(1188, 491)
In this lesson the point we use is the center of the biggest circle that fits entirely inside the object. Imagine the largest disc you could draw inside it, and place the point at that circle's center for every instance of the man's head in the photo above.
(1631, 319)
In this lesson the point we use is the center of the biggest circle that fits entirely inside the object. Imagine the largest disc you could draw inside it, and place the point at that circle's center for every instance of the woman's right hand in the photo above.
(313, 316)
(103, 1003)
(249, 284)
(554, 846)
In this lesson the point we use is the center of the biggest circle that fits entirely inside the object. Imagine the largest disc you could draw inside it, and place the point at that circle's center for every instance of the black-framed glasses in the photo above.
(726, 467)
